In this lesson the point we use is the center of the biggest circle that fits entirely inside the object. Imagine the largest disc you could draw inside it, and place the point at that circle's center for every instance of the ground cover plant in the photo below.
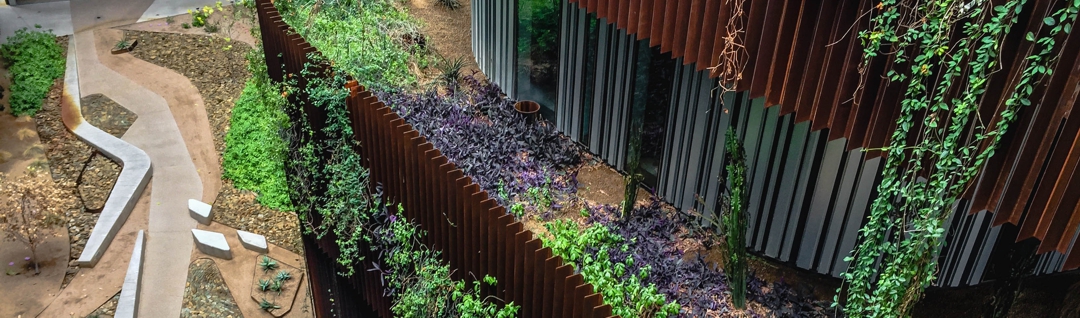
(370, 40)
(481, 132)
(34, 60)
(652, 235)
(254, 152)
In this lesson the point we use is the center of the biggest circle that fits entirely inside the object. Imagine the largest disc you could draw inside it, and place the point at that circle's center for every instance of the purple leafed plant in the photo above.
(479, 131)
(698, 286)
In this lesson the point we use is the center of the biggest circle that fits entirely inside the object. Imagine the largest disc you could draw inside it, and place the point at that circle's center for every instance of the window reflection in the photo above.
(537, 62)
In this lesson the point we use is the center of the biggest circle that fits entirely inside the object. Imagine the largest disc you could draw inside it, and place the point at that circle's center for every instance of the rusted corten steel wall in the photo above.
(803, 56)
(475, 234)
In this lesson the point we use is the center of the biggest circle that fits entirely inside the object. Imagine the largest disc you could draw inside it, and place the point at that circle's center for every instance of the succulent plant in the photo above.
(267, 264)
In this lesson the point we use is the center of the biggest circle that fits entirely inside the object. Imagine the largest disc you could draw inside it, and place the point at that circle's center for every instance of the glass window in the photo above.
(537, 65)
(661, 73)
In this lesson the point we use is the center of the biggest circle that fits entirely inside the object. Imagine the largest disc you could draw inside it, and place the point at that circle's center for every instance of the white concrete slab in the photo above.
(211, 243)
(53, 15)
(252, 241)
(200, 211)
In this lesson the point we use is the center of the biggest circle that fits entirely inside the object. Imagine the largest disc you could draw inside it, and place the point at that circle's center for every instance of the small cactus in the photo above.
(264, 284)
(276, 286)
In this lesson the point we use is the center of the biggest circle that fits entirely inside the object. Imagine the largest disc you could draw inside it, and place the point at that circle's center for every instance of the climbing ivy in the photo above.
(900, 243)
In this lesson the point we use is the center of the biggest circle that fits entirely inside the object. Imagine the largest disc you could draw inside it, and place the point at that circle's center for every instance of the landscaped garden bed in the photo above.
(531, 170)
(218, 69)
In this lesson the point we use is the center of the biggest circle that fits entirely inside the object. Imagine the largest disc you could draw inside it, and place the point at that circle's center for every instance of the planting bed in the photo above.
(68, 158)
(206, 294)
(534, 166)
(220, 74)
(280, 296)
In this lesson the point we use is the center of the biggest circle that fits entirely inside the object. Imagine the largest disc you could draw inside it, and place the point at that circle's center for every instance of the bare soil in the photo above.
(448, 33)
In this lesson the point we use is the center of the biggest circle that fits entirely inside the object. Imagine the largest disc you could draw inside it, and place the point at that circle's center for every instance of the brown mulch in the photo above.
(206, 294)
(220, 74)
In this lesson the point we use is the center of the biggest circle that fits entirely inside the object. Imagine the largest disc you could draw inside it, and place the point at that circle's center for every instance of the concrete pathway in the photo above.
(53, 15)
(175, 178)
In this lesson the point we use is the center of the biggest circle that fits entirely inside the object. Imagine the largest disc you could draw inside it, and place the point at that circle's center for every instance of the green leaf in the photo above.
(1029, 36)
(1049, 21)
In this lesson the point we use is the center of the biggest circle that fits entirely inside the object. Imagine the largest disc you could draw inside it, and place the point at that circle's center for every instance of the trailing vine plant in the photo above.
(944, 52)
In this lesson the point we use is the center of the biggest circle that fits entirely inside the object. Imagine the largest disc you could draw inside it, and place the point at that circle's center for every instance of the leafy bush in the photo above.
(254, 152)
(34, 60)
(481, 132)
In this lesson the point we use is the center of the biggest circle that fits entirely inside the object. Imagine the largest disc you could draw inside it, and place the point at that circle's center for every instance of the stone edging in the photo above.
(134, 175)
(128, 305)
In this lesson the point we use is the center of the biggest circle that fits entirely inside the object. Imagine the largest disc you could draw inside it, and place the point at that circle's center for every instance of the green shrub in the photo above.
(254, 152)
(34, 60)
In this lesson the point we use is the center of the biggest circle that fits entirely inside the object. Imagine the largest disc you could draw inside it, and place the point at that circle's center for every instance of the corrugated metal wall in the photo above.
(493, 40)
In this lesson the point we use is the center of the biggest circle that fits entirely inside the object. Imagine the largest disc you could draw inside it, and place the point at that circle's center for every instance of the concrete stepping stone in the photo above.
(200, 211)
(252, 241)
(128, 305)
(212, 243)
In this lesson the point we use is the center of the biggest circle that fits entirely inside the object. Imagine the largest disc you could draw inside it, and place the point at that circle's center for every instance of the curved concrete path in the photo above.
(129, 185)
(175, 179)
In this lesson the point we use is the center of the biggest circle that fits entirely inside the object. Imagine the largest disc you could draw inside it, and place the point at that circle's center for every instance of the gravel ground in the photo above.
(220, 75)
(206, 294)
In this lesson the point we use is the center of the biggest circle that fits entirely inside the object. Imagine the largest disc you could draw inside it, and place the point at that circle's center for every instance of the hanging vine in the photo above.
(946, 74)
(733, 57)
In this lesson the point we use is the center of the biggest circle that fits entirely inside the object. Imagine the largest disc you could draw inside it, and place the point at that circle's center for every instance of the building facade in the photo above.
(598, 72)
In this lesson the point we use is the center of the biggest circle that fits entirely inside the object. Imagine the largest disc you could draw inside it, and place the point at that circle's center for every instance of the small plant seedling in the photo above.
(122, 44)
(450, 71)
(276, 285)
(264, 284)
(268, 305)
(267, 264)
(584, 212)
(282, 276)
(185, 25)
(517, 209)
(170, 20)
(211, 28)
